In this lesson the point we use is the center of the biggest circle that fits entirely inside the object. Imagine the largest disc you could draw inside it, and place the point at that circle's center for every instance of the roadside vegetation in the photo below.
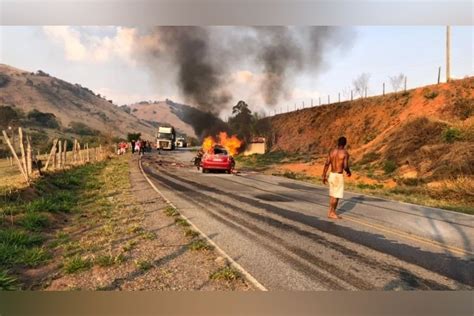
(68, 221)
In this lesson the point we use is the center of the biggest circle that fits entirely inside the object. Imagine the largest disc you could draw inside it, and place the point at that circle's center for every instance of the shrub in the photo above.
(389, 166)
(200, 244)
(47, 120)
(369, 157)
(81, 129)
(451, 134)
(8, 115)
(77, 264)
(4, 80)
(143, 265)
(430, 94)
(227, 274)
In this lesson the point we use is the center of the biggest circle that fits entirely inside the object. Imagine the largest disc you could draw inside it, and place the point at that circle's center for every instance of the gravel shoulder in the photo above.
(137, 242)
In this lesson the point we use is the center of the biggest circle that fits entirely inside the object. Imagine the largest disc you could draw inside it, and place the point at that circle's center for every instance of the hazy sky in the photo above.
(102, 59)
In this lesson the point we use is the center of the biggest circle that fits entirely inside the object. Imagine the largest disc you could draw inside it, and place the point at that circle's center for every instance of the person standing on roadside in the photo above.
(338, 159)
(133, 146)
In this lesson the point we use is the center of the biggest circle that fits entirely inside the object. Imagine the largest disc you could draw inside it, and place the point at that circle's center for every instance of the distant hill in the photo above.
(71, 104)
(186, 119)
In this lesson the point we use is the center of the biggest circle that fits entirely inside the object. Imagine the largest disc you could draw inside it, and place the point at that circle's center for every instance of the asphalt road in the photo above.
(276, 229)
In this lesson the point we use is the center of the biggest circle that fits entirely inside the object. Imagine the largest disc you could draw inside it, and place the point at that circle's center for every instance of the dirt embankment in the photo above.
(426, 132)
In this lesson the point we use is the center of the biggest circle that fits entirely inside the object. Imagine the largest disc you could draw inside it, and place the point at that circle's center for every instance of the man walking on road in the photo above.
(338, 158)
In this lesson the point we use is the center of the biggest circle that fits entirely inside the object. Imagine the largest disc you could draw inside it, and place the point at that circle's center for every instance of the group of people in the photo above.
(139, 146)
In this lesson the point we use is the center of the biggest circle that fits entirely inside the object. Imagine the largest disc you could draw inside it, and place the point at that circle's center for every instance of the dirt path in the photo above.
(150, 248)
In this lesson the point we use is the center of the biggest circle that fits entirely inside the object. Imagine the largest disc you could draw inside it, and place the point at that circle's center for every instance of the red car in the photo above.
(217, 159)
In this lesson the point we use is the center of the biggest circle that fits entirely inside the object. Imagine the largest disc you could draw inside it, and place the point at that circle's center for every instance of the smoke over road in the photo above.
(204, 58)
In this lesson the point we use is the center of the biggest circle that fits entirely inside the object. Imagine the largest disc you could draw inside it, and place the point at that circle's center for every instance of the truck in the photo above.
(165, 138)
(181, 142)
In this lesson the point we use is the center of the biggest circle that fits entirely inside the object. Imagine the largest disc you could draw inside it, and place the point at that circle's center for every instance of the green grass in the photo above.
(59, 201)
(34, 221)
(77, 264)
(149, 235)
(265, 161)
(105, 261)
(200, 244)
(143, 265)
(181, 222)
(7, 281)
(451, 134)
(369, 186)
(191, 233)
(389, 166)
(171, 211)
(226, 274)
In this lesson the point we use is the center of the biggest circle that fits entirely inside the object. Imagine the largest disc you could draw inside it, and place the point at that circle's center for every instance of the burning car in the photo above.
(217, 158)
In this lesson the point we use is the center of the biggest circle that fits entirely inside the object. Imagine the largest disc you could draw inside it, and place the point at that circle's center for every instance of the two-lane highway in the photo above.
(277, 230)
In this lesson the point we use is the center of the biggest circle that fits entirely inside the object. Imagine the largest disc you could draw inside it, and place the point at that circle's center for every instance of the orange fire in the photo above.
(208, 143)
(232, 143)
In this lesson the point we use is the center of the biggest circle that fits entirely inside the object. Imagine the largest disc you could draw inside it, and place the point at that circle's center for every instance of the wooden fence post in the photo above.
(15, 156)
(28, 156)
(65, 153)
(87, 153)
(74, 151)
(60, 155)
(22, 149)
(50, 154)
(80, 152)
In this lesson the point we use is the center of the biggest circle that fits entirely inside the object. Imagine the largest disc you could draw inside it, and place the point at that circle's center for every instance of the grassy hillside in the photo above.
(71, 104)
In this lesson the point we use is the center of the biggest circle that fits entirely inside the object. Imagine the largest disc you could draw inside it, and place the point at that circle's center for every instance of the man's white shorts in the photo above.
(336, 185)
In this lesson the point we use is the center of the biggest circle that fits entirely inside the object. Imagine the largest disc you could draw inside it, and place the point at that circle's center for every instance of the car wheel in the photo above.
(204, 170)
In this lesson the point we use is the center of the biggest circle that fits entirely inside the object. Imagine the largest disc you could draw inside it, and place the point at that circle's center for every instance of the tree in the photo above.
(361, 84)
(8, 116)
(47, 120)
(133, 136)
(396, 81)
(241, 121)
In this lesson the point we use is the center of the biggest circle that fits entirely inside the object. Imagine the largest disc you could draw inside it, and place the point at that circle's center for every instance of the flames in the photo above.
(232, 143)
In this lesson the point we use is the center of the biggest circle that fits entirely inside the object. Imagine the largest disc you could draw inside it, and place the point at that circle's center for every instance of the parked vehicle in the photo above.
(165, 138)
(181, 142)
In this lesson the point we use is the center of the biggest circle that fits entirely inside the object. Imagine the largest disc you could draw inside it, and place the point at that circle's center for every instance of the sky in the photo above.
(102, 58)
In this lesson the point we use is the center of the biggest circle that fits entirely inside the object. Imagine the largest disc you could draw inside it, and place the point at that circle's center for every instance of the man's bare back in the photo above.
(338, 159)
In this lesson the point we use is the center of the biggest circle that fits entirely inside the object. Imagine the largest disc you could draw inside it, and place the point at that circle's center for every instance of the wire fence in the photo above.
(350, 93)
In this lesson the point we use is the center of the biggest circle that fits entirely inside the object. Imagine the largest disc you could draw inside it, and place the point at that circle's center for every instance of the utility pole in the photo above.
(448, 53)
(439, 75)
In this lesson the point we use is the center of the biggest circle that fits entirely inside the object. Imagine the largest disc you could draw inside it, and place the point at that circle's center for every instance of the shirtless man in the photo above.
(338, 158)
